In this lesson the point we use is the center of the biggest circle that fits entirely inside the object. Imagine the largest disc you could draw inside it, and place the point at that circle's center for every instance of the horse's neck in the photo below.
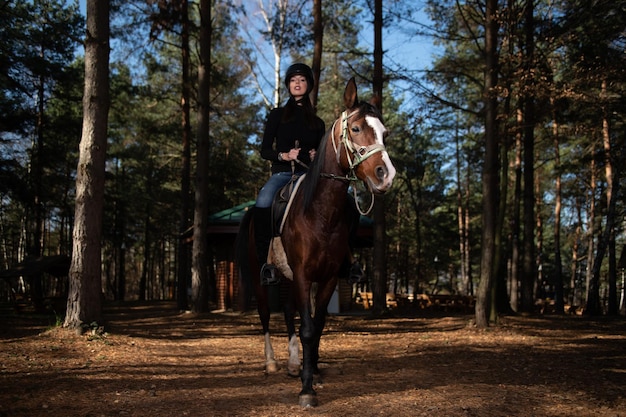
(331, 193)
(329, 205)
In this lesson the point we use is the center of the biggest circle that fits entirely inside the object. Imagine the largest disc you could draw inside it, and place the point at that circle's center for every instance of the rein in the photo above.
(355, 154)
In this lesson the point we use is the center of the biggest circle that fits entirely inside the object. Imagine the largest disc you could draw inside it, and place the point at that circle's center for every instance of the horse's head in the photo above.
(361, 134)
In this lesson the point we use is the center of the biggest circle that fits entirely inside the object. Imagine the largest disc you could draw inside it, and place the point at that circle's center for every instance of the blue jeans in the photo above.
(275, 183)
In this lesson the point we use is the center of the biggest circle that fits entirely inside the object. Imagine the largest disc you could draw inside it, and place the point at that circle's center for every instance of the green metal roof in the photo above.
(235, 214)
(231, 215)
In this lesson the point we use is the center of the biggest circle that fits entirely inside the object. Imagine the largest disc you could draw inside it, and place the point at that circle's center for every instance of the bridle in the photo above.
(355, 154)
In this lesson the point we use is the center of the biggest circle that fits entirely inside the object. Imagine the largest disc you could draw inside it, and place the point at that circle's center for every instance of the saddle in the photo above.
(280, 207)
(282, 203)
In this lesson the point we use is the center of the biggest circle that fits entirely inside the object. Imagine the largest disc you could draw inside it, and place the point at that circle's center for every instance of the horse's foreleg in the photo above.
(320, 322)
(308, 396)
(322, 298)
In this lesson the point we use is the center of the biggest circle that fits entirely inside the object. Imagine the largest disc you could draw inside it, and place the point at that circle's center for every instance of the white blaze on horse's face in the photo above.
(384, 174)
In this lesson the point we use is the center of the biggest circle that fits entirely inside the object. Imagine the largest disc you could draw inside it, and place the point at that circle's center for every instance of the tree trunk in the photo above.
(591, 228)
(558, 268)
(514, 298)
(318, 37)
(608, 170)
(199, 273)
(573, 298)
(37, 245)
(538, 287)
(499, 299)
(594, 307)
(84, 303)
(185, 193)
(468, 266)
(490, 167)
(528, 259)
(380, 260)
(461, 213)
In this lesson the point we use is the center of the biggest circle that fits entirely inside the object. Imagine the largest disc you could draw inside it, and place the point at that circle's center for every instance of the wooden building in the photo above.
(222, 233)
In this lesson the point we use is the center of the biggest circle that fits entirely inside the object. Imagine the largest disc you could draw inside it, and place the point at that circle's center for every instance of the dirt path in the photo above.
(154, 361)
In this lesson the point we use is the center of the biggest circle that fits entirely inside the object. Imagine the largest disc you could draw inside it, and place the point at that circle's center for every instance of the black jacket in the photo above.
(280, 136)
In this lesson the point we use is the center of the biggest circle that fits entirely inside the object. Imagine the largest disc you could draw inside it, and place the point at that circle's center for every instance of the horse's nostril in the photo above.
(381, 172)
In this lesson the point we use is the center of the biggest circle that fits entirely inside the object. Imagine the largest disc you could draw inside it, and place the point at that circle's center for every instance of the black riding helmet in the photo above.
(300, 69)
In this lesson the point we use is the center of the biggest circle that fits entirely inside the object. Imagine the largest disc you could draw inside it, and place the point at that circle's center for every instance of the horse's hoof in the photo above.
(307, 400)
(271, 367)
(293, 370)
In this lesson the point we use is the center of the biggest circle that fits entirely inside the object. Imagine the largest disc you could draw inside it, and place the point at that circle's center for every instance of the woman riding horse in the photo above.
(316, 230)
(290, 141)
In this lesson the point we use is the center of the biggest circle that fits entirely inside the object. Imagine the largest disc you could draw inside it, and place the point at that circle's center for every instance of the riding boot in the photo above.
(263, 236)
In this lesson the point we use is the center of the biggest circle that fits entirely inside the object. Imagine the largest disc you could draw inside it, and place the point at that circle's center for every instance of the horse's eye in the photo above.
(355, 129)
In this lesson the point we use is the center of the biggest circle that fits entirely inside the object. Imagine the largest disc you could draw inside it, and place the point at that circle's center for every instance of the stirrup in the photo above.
(268, 275)
(356, 276)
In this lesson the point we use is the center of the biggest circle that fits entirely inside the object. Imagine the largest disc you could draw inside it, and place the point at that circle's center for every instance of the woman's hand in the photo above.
(292, 155)
(312, 154)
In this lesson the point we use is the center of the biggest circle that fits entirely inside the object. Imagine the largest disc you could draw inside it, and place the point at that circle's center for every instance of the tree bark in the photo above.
(573, 298)
(514, 298)
(591, 229)
(185, 186)
(490, 168)
(199, 273)
(463, 244)
(528, 259)
(380, 230)
(318, 38)
(608, 170)
(594, 306)
(558, 267)
(84, 303)
(499, 298)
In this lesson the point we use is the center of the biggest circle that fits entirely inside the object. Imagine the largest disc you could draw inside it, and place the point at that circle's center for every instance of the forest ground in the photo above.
(155, 361)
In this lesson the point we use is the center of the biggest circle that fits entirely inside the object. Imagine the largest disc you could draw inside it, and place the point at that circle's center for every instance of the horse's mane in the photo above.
(309, 184)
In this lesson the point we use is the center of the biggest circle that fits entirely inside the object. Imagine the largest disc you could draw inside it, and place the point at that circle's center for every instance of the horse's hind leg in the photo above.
(293, 363)
(270, 363)
(264, 314)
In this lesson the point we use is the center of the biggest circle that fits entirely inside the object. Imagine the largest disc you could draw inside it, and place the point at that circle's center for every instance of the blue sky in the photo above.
(399, 44)
(401, 47)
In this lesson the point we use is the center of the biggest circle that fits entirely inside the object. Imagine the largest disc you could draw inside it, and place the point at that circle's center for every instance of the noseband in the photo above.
(355, 155)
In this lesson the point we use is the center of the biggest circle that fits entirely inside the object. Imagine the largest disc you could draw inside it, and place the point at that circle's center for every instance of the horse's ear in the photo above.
(376, 101)
(350, 98)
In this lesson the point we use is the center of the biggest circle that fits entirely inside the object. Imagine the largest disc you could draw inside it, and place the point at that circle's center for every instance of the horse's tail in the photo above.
(242, 258)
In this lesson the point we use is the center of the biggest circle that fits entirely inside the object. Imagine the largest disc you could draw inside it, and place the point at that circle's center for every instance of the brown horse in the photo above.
(316, 231)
